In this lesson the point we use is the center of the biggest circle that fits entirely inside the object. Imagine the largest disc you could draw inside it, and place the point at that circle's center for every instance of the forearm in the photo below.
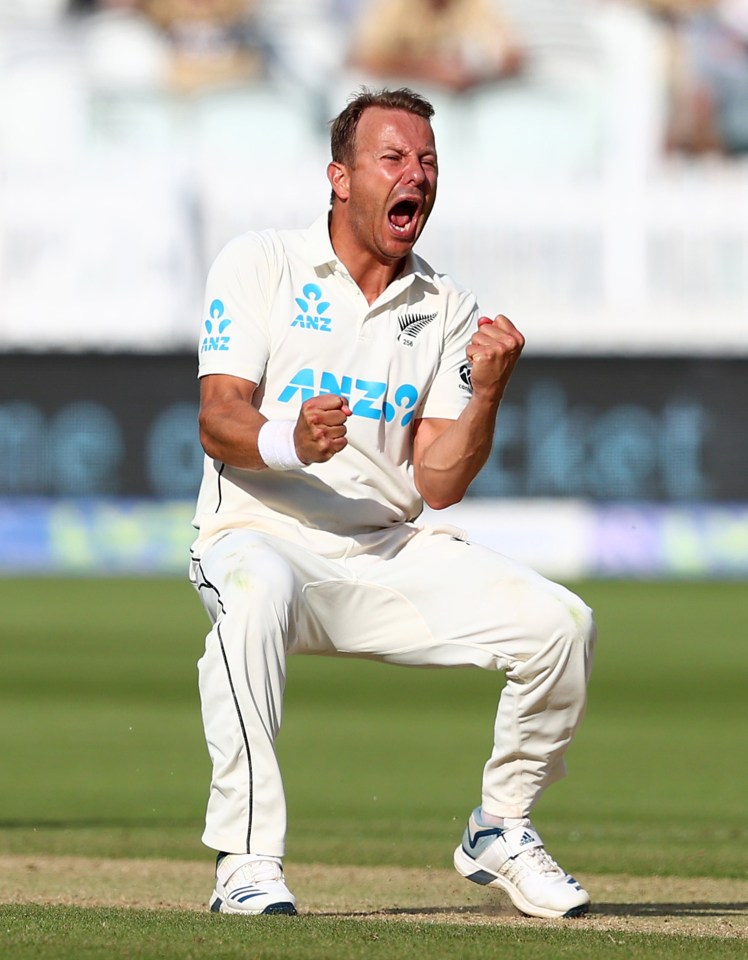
(231, 428)
(447, 465)
(228, 433)
(448, 454)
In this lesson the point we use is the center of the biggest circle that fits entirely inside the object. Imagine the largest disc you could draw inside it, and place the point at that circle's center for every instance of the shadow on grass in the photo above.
(669, 909)
(404, 912)
(599, 909)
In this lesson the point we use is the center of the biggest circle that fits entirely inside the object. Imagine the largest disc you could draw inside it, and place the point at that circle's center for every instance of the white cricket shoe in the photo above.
(515, 859)
(249, 884)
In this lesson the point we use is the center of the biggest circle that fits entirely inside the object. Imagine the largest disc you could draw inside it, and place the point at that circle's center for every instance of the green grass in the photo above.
(100, 727)
(103, 755)
(32, 932)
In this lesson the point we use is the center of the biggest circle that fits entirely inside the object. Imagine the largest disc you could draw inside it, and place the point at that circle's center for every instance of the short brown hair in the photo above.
(343, 127)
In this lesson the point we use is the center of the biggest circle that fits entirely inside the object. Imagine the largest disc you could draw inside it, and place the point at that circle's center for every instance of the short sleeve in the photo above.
(234, 337)
(450, 389)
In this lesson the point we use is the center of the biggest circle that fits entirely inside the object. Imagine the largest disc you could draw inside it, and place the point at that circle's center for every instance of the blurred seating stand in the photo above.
(120, 178)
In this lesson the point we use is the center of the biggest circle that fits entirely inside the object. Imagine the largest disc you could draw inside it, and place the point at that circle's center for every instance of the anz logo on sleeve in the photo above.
(364, 396)
(216, 325)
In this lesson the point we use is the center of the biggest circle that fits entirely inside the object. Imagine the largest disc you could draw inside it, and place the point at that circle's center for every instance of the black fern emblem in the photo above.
(411, 325)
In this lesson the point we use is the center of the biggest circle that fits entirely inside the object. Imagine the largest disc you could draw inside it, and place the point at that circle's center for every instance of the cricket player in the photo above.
(343, 383)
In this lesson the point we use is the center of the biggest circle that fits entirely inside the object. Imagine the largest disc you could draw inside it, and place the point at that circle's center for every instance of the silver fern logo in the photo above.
(411, 325)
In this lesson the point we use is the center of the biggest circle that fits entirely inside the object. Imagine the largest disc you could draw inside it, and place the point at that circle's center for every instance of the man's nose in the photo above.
(414, 172)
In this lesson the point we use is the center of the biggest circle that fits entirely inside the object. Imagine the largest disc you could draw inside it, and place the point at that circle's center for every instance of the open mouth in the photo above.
(403, 215)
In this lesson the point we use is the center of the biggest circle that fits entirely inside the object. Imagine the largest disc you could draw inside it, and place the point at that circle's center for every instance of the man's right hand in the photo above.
(320, 430)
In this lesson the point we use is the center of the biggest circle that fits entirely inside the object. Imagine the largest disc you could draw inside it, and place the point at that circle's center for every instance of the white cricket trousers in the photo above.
(426, 598)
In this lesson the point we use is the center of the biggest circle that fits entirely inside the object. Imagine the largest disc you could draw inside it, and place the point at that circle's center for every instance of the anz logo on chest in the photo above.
(364, 396)
(313, 310)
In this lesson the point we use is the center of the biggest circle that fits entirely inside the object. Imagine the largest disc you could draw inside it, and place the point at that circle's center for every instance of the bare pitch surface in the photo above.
(695, 906)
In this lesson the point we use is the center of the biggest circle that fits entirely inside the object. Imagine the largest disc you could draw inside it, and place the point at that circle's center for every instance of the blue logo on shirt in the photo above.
(215, 338)
(313, 308)
(364, 396)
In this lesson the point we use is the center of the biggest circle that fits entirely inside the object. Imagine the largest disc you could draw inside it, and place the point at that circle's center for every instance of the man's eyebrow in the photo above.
(392, 148)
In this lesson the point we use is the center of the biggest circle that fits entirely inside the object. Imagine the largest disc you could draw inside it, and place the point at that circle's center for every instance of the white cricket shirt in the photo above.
(282, 311)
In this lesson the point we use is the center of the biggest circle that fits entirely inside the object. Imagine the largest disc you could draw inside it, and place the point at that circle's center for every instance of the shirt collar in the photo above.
(323, 254)
(321, 249)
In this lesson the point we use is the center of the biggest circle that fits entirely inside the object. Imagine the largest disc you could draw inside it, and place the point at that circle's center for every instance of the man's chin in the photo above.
(402, 244)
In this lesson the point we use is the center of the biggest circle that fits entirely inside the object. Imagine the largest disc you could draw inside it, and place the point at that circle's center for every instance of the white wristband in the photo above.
(276, 446)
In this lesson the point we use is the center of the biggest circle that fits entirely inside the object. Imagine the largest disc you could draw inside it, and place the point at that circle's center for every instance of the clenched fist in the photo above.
(493, 352)
(320, 430)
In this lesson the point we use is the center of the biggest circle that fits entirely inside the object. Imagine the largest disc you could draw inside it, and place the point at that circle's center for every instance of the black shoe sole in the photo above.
(284, 908)
(577, 912)
(287, 909)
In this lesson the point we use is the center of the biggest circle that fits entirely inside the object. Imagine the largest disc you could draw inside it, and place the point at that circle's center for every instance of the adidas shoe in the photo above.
(515, 859)
(249, 884)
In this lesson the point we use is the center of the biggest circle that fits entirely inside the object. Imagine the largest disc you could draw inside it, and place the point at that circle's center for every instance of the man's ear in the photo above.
(337, 174)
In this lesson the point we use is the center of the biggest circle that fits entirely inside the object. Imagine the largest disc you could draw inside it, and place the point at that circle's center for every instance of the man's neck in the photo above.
(370, 274)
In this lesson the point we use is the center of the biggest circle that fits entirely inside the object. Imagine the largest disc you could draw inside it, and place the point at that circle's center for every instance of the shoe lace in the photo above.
(256, 871)
(540, 861)
(264, 870)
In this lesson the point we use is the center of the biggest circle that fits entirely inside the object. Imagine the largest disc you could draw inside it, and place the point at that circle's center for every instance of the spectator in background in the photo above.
(709, 111)
(309, 41)
(123, 53)
(212, 42)
(452, 44)
(170, 45)
(535, 71)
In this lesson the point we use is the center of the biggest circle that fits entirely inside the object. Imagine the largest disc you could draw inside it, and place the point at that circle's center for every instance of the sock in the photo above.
(490, 820)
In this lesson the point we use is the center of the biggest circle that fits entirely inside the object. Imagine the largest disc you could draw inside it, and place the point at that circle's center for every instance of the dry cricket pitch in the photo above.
(689, 906)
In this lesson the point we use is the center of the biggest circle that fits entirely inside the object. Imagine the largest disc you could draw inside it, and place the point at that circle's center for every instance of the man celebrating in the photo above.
(343, 383)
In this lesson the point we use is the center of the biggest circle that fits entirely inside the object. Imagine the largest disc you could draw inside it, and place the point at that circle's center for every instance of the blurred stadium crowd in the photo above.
(307, 47)
(136, 136)
(593, 186)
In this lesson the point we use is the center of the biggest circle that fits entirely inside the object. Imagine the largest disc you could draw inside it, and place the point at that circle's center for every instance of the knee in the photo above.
(583, 621)
(259, 574)
(255, 614)
(585, 632)
(576, 623)
(564, 627)
(249, 575)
